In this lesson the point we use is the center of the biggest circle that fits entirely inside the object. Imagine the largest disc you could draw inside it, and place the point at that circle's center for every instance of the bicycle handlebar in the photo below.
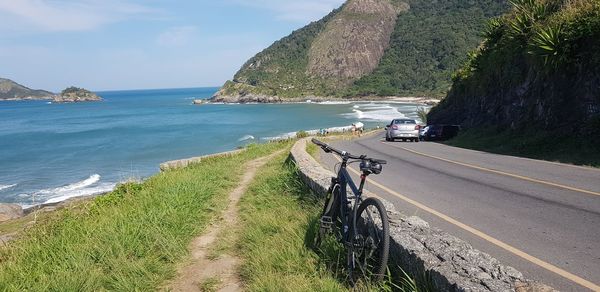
(330, 149)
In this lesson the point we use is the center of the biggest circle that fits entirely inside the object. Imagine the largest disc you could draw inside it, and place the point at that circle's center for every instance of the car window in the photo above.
(404, 122)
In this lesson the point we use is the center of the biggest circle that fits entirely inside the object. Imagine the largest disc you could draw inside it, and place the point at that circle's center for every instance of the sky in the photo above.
(135, 44)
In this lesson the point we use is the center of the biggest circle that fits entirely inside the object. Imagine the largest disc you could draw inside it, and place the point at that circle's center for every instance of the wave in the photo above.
(86, 187)
(309, 132)
(6, 187)
(101, 188)
(382, 113)
(246, 138)
(334, 102)
(94, 178)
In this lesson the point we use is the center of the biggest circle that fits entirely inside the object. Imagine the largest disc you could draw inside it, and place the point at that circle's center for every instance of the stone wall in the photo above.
(449, 263)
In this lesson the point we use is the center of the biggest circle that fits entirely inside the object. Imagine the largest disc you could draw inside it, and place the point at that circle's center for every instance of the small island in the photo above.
(76, 94)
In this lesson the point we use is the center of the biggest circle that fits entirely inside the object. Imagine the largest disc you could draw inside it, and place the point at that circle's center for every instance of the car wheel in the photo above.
(417, 140)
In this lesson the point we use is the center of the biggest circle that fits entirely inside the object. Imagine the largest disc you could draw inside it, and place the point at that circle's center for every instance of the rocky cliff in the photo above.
(10, 90)
(538, 68)
(75, 94)
(366, 48)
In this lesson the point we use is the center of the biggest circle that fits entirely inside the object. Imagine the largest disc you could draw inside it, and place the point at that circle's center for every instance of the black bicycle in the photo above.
(362, 226)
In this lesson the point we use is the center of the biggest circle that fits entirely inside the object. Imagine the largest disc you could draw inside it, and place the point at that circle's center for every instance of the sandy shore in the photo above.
(316, 99)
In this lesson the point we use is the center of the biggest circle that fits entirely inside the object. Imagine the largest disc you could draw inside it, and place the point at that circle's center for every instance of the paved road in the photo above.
(539, 217)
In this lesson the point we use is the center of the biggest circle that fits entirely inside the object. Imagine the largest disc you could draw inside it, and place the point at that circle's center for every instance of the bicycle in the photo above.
(362, 226)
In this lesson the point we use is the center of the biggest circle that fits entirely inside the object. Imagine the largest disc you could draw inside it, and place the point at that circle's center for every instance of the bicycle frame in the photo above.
(345, 180)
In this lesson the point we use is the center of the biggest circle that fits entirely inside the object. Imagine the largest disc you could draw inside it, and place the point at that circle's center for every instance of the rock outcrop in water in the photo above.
(75, 94)
(366, 48)
(10, 90)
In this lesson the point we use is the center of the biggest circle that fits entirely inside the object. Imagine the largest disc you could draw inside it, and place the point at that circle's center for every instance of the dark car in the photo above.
(440, 132)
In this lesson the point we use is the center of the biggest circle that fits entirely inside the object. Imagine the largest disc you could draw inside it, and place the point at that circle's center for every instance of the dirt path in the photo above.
(203, 272)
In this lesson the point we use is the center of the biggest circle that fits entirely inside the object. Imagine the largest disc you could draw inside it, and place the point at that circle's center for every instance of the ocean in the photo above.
(52, 152)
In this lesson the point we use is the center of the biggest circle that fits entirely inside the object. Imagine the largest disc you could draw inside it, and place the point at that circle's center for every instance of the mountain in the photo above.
(10, 90)
(367, 47)
(537, 71)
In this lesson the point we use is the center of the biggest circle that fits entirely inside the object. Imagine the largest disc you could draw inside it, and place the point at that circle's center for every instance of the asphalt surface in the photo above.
(546, 211)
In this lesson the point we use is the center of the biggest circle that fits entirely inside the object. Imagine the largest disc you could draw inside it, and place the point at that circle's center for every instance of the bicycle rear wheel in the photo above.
(370, 250)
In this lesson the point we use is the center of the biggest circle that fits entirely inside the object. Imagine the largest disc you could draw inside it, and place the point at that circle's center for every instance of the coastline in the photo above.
(263, 99)
(28, 99)
(169, 165)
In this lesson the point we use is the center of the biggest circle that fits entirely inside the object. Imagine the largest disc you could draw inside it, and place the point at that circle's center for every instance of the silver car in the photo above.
(404, 129)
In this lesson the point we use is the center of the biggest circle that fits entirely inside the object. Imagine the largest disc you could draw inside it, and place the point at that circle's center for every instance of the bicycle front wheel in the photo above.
(370, 251)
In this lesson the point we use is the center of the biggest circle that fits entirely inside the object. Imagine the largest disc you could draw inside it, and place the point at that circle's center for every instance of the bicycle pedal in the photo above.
(326, 222)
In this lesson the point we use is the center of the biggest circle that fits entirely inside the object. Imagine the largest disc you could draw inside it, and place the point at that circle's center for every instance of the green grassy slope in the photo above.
(128, 240)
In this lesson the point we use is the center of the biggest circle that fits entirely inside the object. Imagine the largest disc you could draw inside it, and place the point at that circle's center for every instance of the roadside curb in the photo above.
(447, 262)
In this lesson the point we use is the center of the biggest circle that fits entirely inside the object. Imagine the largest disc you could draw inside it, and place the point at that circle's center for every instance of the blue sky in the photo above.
(134, 44)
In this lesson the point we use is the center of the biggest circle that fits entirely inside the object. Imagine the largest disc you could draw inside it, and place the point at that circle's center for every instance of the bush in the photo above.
(302, 134)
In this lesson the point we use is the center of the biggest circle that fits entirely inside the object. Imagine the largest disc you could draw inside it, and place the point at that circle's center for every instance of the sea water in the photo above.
(52, 152)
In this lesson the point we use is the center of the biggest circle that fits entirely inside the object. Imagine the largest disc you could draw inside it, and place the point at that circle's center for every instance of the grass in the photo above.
(278, 222)
(130, 239)
(275, 216)
(313, 150)
(537, 145)
(210, 285)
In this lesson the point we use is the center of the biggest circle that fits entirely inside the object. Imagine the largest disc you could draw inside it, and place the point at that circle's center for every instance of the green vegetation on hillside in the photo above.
(280, 70)
(538, 68)
(535, 144)
(430, 42)
(128, 240)
(74, 90)
(10, 90)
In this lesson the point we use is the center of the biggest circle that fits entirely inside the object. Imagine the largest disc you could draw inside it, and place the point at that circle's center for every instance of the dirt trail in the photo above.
(223, 269)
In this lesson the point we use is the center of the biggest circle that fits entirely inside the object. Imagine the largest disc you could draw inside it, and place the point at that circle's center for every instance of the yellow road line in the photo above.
(488, 238)
(499, 172)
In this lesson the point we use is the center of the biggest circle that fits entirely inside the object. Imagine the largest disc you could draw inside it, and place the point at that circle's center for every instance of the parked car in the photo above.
(440, 132)
(422, 132)
(404, 129)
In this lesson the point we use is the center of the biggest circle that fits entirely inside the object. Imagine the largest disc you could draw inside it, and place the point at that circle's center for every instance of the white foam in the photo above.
(86, 187)
(94, 178)
(246, 138)
(101, 188)
(382, 113)
(291, 135)
(334, 102)
(6, 187)
(375, 106)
